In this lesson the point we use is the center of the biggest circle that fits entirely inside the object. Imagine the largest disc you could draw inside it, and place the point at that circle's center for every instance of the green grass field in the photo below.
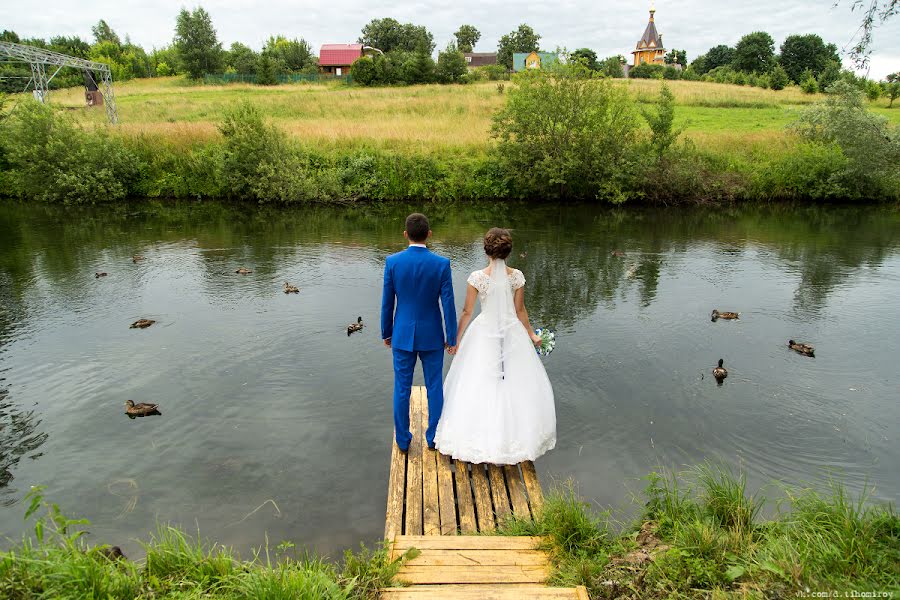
(431, 118)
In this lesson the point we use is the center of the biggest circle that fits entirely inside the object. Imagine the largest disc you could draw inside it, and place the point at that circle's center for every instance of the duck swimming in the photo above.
(141, 409)
(137, 258)
(724, 315)
(243, 271)
(100, 274)
(804, 349)
(720, 372)
(354, 327)
(290, 289)
(142, 324)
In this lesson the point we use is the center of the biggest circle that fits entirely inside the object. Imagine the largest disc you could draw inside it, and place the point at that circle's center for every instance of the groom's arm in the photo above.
(388, 299)
(448, 304)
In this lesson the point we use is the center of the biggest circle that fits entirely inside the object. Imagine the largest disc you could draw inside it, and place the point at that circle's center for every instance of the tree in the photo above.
(523, 39)
(364, 71)
(242, 59)
(829, 75)
(73, 46)
(587, 57)
(808, 83)
(613, 66)
(802, 52)
(451, 65)
(466, 38)
(662, 122)
(104, 33)
(755, 53)
(266, 70)
(389, 34)
(778, 80)
(875, 12)
(677, 57)
(199, 50)
(419, 67)
(292, 56)
(892, 88)
(717, 56)
(564, 134)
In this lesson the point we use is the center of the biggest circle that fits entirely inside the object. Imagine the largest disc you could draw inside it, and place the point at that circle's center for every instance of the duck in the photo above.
(354, 327)
(141, 409)
(724, 315)
(112, 552)
(243, 271)
(100, 274)
(720, 372)
(617, 253)
(290, 289)
(804, 349)
(137, 258)
(142, 324)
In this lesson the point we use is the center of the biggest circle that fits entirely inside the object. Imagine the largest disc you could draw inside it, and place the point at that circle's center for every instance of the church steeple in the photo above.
(649, 48)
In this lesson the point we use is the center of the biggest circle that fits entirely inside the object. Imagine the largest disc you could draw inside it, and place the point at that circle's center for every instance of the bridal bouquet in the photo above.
(548, 341)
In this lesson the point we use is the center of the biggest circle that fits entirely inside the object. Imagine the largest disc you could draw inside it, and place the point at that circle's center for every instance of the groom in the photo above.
(415, 280)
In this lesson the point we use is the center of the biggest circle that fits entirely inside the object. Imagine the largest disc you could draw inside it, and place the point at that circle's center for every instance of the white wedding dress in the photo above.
(498, 401)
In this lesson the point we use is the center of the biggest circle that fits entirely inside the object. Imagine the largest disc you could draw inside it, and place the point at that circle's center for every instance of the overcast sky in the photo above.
(607, 26)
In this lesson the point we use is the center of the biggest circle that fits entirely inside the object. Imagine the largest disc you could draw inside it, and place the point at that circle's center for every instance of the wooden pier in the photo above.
(439, 505)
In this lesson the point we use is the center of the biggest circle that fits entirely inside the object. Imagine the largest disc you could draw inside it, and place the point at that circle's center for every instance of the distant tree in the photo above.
(104, 33)
(613, 66)
(9, 36)
(364, 71)
(662, 122)
(717, 56)
(829, 75)
(808, 83)
(755, 53)
(873, 91)
(389, 34)
(419, 67)
(292, 56)
(677, 57)
(466, 38)
(778, 79)
(802, 52)
(73, 46)
(587, 57)
(523, 39)
(242, 59)
(647, 71)
(168, 56)
(266, 70)
(199, 50)
(451, 65)
(892, 88)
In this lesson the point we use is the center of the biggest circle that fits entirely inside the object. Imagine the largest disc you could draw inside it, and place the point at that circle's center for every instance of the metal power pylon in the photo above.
(40, 59)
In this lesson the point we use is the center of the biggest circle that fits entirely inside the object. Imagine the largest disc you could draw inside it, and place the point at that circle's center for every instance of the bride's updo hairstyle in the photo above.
(497, 243)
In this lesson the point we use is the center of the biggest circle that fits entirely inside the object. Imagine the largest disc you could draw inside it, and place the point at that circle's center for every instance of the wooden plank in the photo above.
(393, 522)
(478, 558)
(498, 492)
(469, 574)
(582, 593)
(467, 522)
(516, 491)
(466, 542)
(483, 508)
(532, 486)
(414, 466)
(507, 591)
(446, 499)
(431, 517)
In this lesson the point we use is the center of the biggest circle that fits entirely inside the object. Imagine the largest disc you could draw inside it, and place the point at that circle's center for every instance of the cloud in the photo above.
(607, 26)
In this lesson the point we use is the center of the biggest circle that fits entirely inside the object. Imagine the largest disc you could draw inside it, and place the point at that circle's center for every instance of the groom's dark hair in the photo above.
(417, 227)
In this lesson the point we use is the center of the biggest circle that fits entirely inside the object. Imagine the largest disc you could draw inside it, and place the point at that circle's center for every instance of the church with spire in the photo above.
(650, 49)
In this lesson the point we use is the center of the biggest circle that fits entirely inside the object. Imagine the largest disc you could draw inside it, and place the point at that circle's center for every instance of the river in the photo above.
(267, 403)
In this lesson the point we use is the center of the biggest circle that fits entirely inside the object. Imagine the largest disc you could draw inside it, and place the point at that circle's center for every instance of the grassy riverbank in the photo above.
(331, 142)
(700, 535)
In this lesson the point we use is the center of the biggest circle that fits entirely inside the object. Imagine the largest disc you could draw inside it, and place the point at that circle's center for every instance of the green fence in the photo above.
(225, 78)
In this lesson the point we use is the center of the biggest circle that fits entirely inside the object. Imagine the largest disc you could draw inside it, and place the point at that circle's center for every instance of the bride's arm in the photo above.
(522, 313)
(466, 316)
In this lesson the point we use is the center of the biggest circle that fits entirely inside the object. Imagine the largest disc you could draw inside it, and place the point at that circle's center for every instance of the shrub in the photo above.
(565, 134)
(779, 78)
(451, 65)
(647, 71)
(868, 141)
(873, 91)
(364, 71)
(808, 83)
(662, 122)
(48, 158)
(671, 72)
(266, 70)
(494, 72)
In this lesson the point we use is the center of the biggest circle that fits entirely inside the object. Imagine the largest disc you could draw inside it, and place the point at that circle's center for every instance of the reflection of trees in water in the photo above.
(19, 436)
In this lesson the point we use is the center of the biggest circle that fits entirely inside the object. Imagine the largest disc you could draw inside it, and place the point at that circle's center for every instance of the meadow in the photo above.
(429, 119)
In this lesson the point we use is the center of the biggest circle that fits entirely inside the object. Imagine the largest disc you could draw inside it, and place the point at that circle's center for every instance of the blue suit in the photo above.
(415, 282)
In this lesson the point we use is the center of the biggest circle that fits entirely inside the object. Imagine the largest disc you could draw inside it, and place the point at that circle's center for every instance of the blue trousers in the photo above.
(433, 368)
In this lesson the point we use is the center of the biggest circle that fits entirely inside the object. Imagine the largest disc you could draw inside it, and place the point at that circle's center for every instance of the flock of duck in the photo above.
(144, 409)
(720, 372)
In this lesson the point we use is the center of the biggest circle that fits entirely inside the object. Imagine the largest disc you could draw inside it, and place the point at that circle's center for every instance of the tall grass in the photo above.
(700, 535)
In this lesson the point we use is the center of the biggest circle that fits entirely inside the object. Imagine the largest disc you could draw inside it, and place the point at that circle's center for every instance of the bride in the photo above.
(498, 402)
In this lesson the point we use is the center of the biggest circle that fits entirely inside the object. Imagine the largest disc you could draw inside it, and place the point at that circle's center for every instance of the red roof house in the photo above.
(337, 58)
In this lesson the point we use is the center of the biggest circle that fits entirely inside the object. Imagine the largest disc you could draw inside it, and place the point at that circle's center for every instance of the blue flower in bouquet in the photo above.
(548, 341)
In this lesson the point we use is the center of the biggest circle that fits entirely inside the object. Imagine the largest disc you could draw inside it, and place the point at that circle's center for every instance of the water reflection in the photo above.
(264, 397)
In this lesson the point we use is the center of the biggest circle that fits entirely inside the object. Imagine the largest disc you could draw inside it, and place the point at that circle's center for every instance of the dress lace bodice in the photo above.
(481, 281)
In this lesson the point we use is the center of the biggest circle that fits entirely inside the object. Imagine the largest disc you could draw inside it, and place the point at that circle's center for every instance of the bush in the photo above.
(873, 91)
(647, 71)
(48, 158)
(451, 65)
(564, 134)
(671, 72)
(778, 80)
(494, 72)
(808, 83)
(364, 71)
(869, 142)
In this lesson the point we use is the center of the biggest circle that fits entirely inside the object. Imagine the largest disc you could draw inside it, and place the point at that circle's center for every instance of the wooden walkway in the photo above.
(438, 505)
